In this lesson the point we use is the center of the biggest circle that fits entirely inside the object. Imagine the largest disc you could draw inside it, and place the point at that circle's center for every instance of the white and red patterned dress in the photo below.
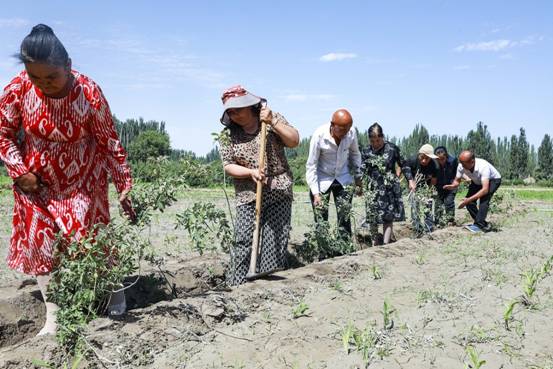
(72, 145)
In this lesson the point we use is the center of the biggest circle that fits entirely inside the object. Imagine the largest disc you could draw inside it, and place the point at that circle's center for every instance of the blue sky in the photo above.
(446, 64)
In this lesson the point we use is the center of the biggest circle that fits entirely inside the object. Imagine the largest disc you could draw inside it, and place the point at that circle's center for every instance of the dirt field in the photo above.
(443, 294)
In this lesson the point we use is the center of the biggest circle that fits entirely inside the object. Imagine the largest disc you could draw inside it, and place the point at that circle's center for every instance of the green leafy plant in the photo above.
(369, 342)
(508, 313)
(347, 336)
(323, 241)
(88, 271)
(421, 200)
(530, 280)
(474, 357)
(207, 227)
(300, 310)
(387, 312)
(91, 268)
(377, 274)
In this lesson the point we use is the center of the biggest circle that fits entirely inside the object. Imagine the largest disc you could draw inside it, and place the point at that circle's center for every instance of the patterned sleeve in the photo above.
(108, 141)
(277, 119)
(10, 123)
(225, 147)
(403, 164)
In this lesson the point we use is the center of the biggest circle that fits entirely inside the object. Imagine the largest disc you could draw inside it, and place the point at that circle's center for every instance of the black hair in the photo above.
(375, 130)
(42, 45)
(440, 150)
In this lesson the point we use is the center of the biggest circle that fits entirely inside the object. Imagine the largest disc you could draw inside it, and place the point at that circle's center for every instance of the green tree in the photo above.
(149, 144)
(481, 143)
(545, 158)
(519, 155)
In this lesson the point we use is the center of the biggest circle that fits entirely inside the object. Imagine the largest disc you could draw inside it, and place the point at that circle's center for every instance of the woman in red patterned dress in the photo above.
(60, 167)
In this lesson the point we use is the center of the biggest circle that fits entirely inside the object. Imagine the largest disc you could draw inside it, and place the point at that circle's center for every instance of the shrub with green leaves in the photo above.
(421, 201)
(87, 273)
(90, 269)
(207, 227)
(323, 241)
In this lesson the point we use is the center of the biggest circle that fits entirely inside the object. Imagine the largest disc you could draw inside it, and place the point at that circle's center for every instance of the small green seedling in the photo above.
(300, 310)
(387, 311)
(347, 335)
(475, 362)
(377, 274)
(530, 282)
(508, 313)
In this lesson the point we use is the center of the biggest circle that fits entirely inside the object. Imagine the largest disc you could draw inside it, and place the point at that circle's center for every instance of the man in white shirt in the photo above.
(485, 180)
(333, 157)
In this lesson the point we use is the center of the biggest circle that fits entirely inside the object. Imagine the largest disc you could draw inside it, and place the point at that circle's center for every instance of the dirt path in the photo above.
(446, 292)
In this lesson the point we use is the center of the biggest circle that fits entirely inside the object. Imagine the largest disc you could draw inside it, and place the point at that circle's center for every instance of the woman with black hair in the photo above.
(60, 167)
(383, 203)
(239, 147)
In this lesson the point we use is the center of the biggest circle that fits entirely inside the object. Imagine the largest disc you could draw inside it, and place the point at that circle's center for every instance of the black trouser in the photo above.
(445, 202)
(479, 213)
(342, 201)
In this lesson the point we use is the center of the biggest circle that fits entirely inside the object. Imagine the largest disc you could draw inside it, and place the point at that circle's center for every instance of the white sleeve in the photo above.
(460, 171)
(311, 165)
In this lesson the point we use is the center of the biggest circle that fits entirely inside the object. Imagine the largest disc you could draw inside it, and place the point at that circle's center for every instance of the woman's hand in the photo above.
(412, 185)
(126, 204)
(28, 183)
(258, 176)
(266, 115)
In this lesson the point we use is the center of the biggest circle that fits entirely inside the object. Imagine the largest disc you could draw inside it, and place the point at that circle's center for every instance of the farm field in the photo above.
(440, 301)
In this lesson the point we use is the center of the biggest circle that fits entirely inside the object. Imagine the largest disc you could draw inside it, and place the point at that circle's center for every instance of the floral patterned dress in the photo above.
(383, 191)
(71, 144)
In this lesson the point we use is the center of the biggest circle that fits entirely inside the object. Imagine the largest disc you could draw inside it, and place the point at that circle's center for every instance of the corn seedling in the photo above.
(377, 274)
(508, 313)
(420, 259)
(530, 280)
(365, 341)
(337, 286)
(387, 312)
(474, 358)
(347, 335)
(300, 310)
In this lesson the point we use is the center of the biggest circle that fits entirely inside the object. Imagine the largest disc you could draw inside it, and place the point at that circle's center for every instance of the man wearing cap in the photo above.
(333, 156)
(242, 114)
(425, 170)
(485, 180)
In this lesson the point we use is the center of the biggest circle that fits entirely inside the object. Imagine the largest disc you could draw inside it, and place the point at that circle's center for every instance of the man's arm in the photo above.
(483, 192)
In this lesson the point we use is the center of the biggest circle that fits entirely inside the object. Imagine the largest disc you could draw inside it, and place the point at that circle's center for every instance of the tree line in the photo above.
(513, 156)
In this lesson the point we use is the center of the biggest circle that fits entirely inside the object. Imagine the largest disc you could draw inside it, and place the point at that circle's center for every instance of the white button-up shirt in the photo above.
(482, 170)
(328, 162)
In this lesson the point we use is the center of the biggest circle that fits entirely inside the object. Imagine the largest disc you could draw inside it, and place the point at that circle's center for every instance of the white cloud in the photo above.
(14, 22)
(337, 57)
(306, 97)
(497, 45)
